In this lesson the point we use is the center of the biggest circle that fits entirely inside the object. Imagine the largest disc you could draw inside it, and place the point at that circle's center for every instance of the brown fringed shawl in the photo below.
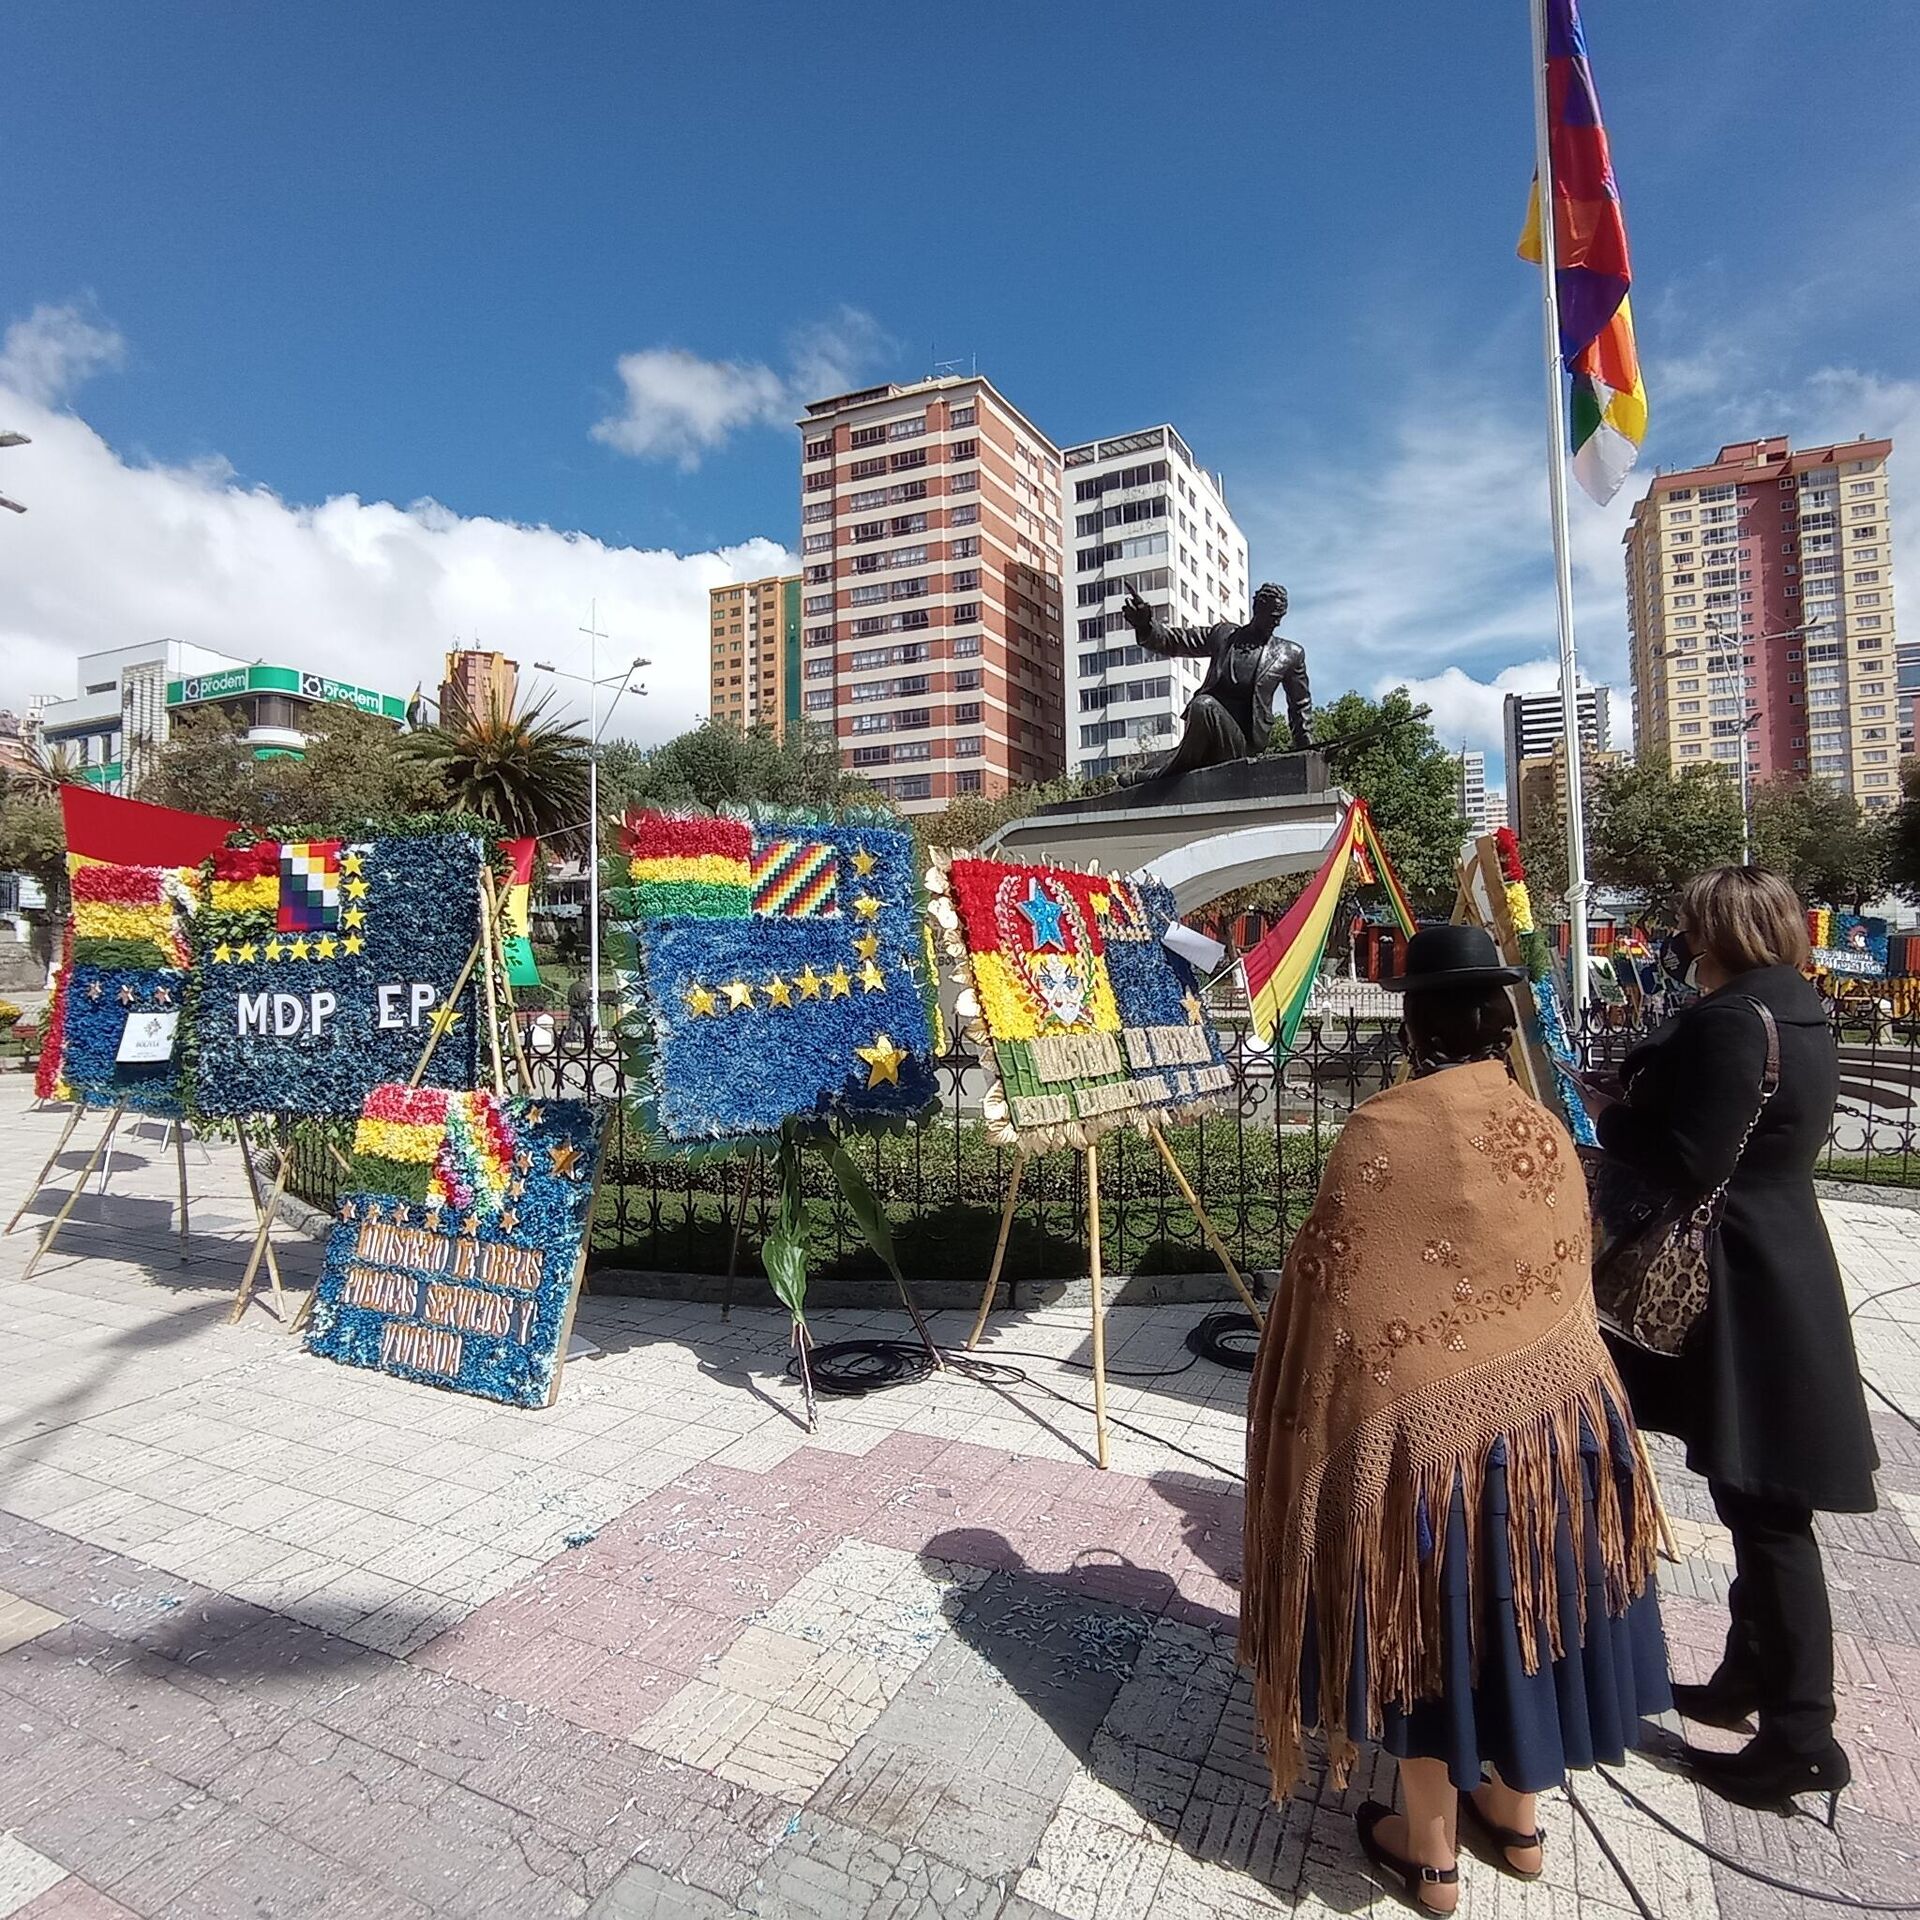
(1438, 1299)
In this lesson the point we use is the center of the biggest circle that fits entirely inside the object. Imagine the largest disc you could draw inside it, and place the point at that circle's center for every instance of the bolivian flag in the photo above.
(516, 937)
(1280, 971)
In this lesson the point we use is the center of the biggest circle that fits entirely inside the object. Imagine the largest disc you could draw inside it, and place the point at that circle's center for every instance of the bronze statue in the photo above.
(1231, 717)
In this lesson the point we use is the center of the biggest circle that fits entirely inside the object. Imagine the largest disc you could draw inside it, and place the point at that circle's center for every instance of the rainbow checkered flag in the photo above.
(309, 886)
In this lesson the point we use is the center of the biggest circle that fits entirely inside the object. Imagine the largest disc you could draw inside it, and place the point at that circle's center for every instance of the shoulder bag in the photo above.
(1653, 1250)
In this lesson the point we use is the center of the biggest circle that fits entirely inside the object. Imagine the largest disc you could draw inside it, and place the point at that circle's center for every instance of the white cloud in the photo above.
(1468, 712)
(46, 356)
(681, 407)
(111, 554)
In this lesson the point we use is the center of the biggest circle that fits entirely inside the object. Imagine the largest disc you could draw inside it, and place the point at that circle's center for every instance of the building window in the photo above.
(819, 699)
(965, 613)
(967, 549)
(907, 429)
(819, 637)
(962, 482)
(819, 575)
(964, 517)
(872, 756)
(964, 450)
(967, 780)
(818, 482)
(965, 644)
(965, 581)
(866, 469)
(968, 746)
(913, 457)
(966, 680)
(818, 543)
(867, 437)
(818, 603)
(820, 449)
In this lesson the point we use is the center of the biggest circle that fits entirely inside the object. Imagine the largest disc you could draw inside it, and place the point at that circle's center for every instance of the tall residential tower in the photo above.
(1760, 597)
(930, 589)
(754, 667)
(1533, 723)
(1147, 516)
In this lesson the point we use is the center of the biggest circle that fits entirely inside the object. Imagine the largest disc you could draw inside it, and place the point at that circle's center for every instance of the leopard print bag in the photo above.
(1653, 1259)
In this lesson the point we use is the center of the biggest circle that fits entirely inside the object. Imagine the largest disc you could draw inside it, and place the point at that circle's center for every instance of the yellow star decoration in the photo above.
(778, 993)
(471, 1224)
(1195, 1011)
(399, 1213)
(348, 1211)
(274, 949)
(353, 943)
(297, 949)
(224, 951)
(354, 889)
(866, 906)
(446, 1017)
(535, 1115)
(508, 1220)
(564, 1159)
(516, 1187)
(871, 977)
(354, 917)
(163, 996)
(326, 947)
(350, 862)
(866, 945)
(863, 863)
(1099, 902)
(94, 990)
(839, 984)
(126, 996)
(523, 1160)
(809, 984)
(738, 993)
(883, 1060)
(373, 1210)
(247, 950)
(700, 1000)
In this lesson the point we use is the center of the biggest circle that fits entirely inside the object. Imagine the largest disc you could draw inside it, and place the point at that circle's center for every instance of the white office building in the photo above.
(1474, 798)
(1535, 721)
(1141, 513)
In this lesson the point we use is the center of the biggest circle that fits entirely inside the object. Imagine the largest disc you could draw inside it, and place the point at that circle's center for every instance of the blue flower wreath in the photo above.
(730, 1058)
(553, 1214)
(422, 913)
(99, 999)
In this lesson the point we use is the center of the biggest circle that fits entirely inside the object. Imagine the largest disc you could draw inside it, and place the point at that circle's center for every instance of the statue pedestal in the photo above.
(1203, 834)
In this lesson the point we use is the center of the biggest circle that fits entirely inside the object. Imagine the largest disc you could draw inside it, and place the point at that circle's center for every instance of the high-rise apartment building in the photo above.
(753, 674)
(1760, 601)
(1473, 790)
(1144, 515)
(482, 683)
(931, 559)
(1534, 721)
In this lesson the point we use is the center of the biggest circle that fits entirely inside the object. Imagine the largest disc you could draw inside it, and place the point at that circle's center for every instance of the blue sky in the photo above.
(395, 254)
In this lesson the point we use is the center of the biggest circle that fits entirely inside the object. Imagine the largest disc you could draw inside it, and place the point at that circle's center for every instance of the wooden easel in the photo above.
(1095, 1266)
(99, 1157)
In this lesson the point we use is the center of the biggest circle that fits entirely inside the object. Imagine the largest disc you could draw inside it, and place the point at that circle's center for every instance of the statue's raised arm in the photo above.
(1156, 636)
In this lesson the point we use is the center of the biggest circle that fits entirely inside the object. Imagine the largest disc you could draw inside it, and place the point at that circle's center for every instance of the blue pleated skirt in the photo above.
(1581, 1710)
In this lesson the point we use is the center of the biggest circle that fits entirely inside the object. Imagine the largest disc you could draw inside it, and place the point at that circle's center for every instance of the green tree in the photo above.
(354, 768)
(33, 838)
(1903, 836)
(714, 765)
(1652, 828)
(516, 767)
(1822, 840)
(1409, 780)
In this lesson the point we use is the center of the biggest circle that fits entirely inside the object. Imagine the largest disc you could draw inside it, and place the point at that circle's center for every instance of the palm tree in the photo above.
(518, 768)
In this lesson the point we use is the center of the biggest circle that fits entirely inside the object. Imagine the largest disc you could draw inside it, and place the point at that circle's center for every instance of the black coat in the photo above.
(1766, 1392)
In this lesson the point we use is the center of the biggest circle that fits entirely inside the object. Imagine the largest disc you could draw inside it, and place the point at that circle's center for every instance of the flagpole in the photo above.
(1557, 507)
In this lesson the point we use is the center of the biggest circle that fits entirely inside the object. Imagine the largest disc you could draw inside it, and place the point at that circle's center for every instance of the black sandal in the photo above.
(1412, 1877)
(1503, 1839)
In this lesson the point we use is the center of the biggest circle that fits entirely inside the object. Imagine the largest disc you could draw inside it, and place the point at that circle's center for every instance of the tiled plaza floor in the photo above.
(281, 1639)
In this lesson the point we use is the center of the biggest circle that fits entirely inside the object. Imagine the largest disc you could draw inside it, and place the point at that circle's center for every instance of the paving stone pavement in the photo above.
(279, 1638)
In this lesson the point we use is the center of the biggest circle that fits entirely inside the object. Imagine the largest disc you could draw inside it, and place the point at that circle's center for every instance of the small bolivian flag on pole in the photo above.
(1592, 269)
(516, 939)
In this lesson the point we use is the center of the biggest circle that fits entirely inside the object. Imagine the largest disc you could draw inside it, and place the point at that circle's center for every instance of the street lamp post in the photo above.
(593, 683)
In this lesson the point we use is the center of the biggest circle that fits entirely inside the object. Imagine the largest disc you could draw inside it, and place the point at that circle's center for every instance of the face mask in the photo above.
(1678, 960)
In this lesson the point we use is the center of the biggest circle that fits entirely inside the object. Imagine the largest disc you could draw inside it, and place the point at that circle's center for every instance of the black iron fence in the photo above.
(1255, 1162)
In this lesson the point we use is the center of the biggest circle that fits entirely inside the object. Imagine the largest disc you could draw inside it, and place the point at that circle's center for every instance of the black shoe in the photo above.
(1767, 1775)
(1411, 1876)
(1719, 1703)
(1504, 1841)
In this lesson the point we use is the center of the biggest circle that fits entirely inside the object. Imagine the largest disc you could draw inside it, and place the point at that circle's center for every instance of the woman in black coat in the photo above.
(1766, 1392)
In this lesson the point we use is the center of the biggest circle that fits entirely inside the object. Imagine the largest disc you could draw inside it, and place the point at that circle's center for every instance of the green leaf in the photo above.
(784, 1251)
(861, 1201)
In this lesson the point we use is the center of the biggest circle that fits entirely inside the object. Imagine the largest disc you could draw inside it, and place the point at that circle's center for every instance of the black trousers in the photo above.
(1780, 1643)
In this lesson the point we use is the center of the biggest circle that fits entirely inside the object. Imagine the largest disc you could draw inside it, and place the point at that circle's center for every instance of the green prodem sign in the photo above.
(230, 683)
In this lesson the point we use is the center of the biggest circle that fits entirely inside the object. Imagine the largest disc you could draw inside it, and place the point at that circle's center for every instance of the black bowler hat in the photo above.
(1453, 957)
